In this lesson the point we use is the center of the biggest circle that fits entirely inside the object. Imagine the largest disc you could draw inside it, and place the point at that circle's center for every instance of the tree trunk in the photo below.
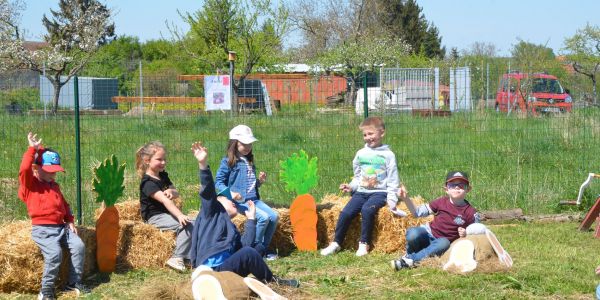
(56, 96)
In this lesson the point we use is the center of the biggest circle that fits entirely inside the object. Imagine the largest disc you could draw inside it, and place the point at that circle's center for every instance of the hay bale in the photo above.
(23, 262)
(143, 246)
(487, 260)
(129, 210)
(165, 290)
(388, 234)
(389, 231)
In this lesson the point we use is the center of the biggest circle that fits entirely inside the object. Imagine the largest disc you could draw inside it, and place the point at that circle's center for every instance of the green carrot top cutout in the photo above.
(299, 173)
(108, 181)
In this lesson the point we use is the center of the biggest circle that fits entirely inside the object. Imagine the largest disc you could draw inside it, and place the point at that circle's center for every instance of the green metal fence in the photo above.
(515, 159)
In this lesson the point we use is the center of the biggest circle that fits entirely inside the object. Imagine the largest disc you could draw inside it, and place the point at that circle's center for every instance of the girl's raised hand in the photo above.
(34, 141)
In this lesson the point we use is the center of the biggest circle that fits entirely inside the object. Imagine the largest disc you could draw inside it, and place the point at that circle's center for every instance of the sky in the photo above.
(460, 22)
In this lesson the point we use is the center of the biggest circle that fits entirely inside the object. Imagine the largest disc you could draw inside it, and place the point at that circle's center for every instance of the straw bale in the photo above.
(143, 246)
(165, 290)
(388, 233)
(129, 210)
(23, 262)
(487, 260)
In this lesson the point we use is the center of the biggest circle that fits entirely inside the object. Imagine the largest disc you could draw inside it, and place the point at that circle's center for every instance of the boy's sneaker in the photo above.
(363, 249)
(271, 256)
(176, 263)
(286, 282)
(78, 288)
(332, 248)
(402, 263)
(46, 296)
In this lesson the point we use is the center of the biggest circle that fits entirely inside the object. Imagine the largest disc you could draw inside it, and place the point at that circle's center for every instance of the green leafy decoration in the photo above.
(299, 173)
(108, 181)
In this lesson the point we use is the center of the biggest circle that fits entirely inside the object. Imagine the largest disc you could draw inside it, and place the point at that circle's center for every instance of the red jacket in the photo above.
(45, 202)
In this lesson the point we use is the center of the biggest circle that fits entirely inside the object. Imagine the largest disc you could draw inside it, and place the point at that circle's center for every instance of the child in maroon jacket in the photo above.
(452, 214)
(51, 217)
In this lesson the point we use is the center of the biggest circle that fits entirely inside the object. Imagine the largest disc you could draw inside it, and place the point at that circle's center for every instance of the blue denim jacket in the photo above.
(234, 178)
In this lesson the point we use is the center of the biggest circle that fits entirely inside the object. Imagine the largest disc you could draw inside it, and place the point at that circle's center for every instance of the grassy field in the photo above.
(552, 261)
(514, 161)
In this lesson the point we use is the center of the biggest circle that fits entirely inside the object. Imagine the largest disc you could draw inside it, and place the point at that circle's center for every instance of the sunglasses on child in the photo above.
(460, 185)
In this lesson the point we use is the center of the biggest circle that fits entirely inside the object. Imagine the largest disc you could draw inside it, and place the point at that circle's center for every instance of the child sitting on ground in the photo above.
(51, 217)
(216, 242)
(452, 215)
(374, 184)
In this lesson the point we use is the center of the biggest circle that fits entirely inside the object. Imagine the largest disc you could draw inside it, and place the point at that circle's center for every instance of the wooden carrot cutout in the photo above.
(300, 175)
(108, 185)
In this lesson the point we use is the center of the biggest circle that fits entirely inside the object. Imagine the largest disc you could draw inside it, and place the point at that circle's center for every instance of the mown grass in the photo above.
(552, 261)
(531, 163)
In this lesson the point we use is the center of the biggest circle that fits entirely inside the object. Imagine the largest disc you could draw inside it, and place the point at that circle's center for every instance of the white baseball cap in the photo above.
(243, 134)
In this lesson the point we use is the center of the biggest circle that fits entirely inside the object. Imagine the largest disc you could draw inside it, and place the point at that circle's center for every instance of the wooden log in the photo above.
(509, 214)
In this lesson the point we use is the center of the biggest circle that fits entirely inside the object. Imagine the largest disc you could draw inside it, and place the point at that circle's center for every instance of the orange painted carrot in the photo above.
(108, 184)
(303, 216)
(107, 236)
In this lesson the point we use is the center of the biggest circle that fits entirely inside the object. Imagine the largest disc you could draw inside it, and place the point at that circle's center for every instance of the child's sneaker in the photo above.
(363, 249)
(286, 282)
(78, 288)
(207, 286)
(46, 295)
(402, 263)
(176, 263)
(332, 248)
(271, 256)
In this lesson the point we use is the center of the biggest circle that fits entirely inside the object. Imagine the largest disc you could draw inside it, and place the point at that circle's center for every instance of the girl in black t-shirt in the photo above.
(156, 201)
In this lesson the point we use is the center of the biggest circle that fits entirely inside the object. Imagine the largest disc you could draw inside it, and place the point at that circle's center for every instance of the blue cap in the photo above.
(50, 162)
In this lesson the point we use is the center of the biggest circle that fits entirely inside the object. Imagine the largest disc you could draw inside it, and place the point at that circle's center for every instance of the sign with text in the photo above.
(217, 92)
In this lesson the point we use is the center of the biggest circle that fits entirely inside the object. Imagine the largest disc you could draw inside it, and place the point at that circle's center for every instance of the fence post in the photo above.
(141, 93)
(365, 97)
(77, 150)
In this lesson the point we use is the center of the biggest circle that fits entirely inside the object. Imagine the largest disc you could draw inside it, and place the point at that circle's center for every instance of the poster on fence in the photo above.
(217, 92)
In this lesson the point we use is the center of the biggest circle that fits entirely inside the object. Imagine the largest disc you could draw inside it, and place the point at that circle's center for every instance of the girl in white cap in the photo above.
(237, 179)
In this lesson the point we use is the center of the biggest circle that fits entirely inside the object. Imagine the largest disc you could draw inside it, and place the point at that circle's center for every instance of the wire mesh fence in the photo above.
(518, 153)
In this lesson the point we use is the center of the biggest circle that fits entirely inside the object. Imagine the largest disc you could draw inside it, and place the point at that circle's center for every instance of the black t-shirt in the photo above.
(150, 185)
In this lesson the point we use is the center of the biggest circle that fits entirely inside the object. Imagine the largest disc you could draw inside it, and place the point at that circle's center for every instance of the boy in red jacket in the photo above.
(51, 217)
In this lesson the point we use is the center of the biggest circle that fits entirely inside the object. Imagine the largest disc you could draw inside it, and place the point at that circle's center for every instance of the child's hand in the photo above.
(598, 270)
(399, 213)
(72, 227)
(402, 192)
(262, 177)
(183, 219)
(344, 187)
(236, 196)
(462, 232)
(34, 141)
(171, 193)
(251, 211)
(200, 153)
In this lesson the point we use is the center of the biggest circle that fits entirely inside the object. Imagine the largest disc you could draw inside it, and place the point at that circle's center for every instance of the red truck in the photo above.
(535, 93)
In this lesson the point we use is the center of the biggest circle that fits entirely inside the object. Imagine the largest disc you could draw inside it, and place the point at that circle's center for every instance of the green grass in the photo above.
(531, 163)
(551, 261)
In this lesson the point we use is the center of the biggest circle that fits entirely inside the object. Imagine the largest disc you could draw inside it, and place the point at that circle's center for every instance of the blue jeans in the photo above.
(420, 244)
(266, 221)
(367, 204)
